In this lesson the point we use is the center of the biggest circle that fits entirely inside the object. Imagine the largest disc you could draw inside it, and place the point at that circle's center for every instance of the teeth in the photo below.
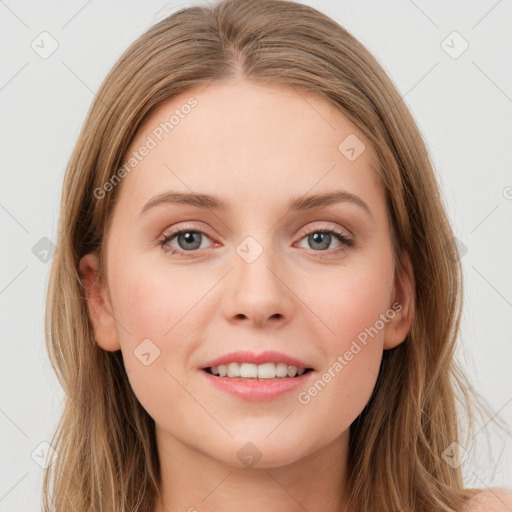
(249, 370)
(266, 371)
(233, 370)
(260, 371)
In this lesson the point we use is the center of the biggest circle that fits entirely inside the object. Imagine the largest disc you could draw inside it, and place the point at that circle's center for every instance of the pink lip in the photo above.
(269, 356)
(253, 389)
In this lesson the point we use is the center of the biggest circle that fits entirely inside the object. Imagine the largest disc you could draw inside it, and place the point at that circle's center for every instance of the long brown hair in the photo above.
(106, 451)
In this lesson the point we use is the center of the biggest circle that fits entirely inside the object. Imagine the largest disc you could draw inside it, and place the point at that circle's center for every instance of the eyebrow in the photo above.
(303, 203)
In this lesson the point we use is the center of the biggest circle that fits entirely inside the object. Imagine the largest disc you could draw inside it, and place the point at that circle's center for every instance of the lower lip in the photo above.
(252, 389)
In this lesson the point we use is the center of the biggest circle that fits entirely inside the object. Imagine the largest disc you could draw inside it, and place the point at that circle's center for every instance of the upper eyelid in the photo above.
(334, 226)
(205, 232)
(173, 232)
(305, 231)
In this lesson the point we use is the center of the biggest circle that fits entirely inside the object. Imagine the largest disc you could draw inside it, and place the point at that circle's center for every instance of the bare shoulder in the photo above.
(497, 499)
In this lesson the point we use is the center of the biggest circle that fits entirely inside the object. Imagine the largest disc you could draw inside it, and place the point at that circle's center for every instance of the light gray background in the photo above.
(463, 106)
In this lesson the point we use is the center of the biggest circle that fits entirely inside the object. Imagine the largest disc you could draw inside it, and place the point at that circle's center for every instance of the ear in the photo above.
(98, 304)
(402, 305)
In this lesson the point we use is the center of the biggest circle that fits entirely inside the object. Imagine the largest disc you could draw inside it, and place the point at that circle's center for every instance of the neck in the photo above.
(193, 481)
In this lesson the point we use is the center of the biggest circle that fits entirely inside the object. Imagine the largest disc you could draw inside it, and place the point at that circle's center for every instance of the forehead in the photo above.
(246, 141)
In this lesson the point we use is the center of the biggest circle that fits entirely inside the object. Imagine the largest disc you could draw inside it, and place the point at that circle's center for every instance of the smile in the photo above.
(236, 370)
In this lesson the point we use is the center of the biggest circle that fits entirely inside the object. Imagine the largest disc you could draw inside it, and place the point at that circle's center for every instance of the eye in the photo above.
(321, 239)
(188, 240)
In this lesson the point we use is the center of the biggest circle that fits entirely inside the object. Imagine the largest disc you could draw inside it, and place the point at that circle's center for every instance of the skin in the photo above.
(498, 499)
(256, 147)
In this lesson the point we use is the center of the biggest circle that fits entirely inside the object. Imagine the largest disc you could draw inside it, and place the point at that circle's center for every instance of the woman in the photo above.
(299, 354)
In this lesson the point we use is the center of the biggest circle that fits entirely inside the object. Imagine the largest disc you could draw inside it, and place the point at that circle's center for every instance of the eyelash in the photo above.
(165, 239)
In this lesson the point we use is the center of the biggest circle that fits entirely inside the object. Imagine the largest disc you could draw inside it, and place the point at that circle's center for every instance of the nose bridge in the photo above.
(258, 291)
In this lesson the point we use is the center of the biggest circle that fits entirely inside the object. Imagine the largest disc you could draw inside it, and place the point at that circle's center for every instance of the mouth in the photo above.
(250, 371)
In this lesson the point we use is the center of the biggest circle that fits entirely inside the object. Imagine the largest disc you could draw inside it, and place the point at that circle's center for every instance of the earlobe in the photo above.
(98, 304)
(403, 305)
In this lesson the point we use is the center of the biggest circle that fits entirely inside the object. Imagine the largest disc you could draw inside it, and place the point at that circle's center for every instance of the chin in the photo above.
(261, 453)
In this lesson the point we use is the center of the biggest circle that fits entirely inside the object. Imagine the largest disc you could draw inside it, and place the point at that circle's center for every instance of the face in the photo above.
(264, 270)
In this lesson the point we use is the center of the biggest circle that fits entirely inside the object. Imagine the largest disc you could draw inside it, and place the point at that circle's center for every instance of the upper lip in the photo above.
(269, 356)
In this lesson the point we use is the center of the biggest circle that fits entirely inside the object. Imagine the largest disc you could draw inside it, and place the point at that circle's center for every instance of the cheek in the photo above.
(158, 314)
(351, 300)
(351, 307)
(356, 310)
(148, 311)
(150, 301)
(156, 338)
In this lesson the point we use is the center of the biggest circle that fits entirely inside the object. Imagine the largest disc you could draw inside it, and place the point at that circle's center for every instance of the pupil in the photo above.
(319, 235)
(188, 237)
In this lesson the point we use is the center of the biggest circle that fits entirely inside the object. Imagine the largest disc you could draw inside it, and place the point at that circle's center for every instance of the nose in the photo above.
(259, 292)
